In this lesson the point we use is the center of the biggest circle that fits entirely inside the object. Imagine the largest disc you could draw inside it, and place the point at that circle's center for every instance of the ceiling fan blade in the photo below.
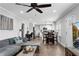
(22, 4)
(38, 10)
(44, 5)
(29, 10)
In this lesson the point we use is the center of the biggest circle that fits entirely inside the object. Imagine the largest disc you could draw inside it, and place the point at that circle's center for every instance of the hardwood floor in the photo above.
(50, 50)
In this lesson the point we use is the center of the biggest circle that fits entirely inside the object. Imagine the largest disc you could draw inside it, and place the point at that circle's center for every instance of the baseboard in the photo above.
(61, 44)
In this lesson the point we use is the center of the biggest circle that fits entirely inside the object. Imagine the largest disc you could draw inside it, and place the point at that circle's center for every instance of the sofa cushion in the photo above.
(4, 43)
(18, 40)
(11, 40)
(9, 50)
(15, 40)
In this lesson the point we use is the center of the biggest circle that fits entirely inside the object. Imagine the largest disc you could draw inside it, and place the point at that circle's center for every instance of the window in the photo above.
(6, 23)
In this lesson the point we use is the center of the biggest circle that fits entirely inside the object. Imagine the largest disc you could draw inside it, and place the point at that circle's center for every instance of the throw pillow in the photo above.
(17, 40)
(12, 41)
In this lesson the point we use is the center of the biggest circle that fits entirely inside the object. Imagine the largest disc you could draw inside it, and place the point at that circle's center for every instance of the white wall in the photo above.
(66, 27)
(4, 34)
(61, 29)
(37, 30)
(31, 27)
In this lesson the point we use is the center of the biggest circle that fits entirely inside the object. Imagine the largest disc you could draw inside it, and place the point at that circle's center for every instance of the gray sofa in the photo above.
(12, 46)
(9, 50)
(8, 47)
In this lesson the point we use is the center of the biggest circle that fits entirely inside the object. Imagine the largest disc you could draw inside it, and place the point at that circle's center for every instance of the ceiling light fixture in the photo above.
(21, 12)
(54, 11)
(35, 6)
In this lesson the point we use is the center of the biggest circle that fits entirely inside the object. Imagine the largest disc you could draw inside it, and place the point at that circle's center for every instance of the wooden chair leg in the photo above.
(43, 40)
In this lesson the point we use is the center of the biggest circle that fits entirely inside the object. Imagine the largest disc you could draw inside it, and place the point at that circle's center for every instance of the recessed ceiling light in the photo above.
(21, 12)
(54, 11)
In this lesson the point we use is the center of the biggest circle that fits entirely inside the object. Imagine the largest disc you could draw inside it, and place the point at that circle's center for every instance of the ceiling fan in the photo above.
(35, 6)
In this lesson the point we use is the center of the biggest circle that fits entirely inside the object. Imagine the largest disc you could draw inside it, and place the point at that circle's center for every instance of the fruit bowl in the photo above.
(28, 49)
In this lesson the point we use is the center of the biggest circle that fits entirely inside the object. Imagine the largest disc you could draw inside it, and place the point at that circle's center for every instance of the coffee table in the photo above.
(33, 53)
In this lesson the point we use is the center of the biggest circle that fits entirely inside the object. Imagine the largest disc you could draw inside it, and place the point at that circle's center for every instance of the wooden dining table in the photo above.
(49, 38)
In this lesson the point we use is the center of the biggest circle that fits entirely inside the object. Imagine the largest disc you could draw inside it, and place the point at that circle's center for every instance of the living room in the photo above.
(17, 20)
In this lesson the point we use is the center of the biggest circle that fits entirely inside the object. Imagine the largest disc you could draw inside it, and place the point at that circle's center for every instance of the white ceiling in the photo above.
(47, 16)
